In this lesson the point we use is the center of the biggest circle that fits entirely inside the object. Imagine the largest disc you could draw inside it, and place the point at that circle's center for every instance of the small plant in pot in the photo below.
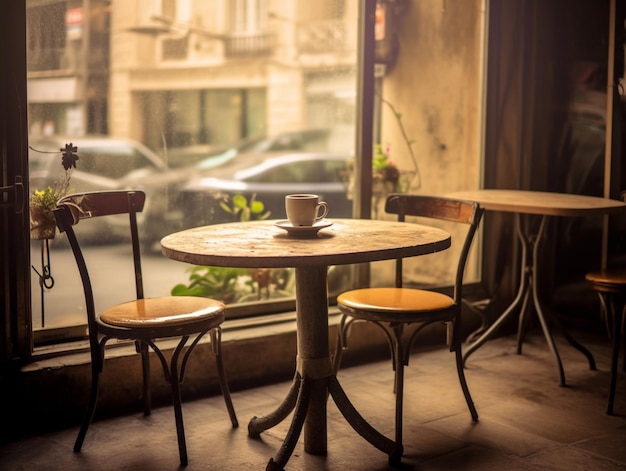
(385, 172)
(43, 202)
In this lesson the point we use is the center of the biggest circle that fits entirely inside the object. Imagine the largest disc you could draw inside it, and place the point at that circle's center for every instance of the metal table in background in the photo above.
(544, 205)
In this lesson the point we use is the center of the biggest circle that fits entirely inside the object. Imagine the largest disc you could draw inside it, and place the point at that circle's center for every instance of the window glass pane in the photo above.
(197, 103)
(204, 102)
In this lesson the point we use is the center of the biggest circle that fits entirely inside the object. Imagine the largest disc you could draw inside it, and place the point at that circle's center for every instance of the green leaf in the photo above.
(225, 207)
(256, 207)
(240, 201)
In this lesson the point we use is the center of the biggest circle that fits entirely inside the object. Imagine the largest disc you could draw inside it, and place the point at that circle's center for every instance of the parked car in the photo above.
(268, 178)
(107, 163)
(338, 139)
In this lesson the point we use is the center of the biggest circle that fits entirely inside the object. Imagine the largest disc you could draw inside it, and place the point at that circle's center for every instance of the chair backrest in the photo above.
(77, 207)
(446, 209)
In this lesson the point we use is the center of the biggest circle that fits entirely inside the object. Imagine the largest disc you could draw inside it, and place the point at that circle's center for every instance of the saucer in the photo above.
(303, 231)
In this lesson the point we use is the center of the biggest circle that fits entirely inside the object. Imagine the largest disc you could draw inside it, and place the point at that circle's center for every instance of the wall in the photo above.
(436, 85)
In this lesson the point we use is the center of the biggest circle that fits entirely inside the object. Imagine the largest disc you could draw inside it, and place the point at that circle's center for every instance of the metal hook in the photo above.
(46, 281)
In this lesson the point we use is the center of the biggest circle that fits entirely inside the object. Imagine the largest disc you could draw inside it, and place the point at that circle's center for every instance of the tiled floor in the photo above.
(527, 421)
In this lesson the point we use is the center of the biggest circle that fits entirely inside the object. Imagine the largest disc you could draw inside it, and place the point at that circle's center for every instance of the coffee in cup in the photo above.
(305, 209)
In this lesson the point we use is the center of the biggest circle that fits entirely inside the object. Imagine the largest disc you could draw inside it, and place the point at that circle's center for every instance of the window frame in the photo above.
(16, 342)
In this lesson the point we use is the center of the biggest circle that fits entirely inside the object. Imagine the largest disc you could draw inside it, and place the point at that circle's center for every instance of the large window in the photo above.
(220, 113)
(207, 102)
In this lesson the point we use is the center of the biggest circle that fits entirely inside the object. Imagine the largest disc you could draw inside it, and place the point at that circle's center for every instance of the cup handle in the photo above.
(322, 210)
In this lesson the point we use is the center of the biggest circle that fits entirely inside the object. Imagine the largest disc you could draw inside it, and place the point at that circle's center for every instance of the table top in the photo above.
(539, 202)
(260, 244)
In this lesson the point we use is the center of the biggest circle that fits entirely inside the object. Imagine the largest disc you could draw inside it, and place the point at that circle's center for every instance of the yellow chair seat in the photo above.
(394, 300)
(615, 278)
(163, 312)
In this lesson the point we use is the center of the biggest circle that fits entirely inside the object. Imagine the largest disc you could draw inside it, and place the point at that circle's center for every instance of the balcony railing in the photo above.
(175, 48)
(248, 45)
(66, 59)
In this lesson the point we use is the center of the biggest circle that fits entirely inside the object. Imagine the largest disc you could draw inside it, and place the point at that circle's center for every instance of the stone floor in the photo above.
(527, 421)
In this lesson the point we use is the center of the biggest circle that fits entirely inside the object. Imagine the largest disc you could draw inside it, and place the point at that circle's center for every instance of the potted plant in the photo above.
(385, 174)
(237, 285)
(43, 202)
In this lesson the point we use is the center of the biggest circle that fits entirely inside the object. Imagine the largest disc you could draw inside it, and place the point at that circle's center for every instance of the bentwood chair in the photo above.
(394, 309)
(142, 320)
(610, 285)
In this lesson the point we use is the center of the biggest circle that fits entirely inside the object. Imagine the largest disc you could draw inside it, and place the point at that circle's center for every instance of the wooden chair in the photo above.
(394, 309)
(611, 288)
(143, 320)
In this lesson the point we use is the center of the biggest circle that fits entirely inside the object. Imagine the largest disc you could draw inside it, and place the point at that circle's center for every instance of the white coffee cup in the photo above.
(305, 209)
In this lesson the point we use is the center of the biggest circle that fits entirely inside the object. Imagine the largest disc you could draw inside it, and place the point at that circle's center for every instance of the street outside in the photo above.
(112, 279)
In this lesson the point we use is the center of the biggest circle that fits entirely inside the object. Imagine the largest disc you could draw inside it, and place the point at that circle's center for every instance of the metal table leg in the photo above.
(529, 288)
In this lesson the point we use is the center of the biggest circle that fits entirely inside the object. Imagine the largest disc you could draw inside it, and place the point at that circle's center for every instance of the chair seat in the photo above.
(615, 278)
(167, 311)
(417, 304)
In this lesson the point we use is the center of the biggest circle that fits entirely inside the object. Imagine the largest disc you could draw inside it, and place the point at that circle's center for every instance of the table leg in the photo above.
(313, 350)
(543, 319)
(522, 295)
(314, 381)
(361, 426)
(261, 424)
(528, 288)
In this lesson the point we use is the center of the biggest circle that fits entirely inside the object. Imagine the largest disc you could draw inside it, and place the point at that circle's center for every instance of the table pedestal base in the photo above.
(314, 381)
(299, 398)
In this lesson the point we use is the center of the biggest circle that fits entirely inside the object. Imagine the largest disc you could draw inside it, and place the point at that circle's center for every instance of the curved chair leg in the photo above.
(175, 381)
(216, 344)
(617, 310)
(461, 371)
(398, 386)
(142, 348)
(91, 408)
(342, 343)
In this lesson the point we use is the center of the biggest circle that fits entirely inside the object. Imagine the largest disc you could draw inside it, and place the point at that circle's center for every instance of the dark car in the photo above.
(268, 179)
(339, 139)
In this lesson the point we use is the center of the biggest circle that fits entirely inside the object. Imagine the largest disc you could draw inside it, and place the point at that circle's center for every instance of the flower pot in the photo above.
(42, 223)
(382, 185)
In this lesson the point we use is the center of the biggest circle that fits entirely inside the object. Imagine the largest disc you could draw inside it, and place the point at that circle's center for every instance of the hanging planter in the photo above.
(43, 202)
(385, 180)
(42, 223)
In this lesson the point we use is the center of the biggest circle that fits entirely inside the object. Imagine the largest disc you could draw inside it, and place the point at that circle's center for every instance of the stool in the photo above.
(611, 288)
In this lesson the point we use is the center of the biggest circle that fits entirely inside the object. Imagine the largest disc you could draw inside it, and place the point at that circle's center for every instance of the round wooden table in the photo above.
(260, 244)
(543, 204)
